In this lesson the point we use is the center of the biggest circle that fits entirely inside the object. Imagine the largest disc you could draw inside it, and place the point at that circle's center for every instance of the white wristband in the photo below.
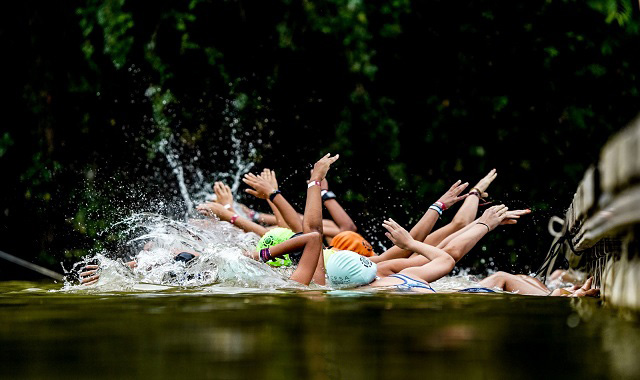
(227, 206)
(436, 209)
(313, 183)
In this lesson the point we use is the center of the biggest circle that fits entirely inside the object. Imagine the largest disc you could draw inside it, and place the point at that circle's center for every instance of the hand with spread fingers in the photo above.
(91, 275)
(585, 290)
(321, 167)
(493, 216)
(398, 235)
(223, 195)
(270, 176)
(513, 216)
(452, 195)
(260, 187)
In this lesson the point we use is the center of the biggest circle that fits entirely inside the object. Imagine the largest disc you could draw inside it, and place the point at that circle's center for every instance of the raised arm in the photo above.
(338, 214)
(224, 196)
(270, 176)
(467, 212)
(511, 217)
(212, 208)
(261, 188)
(463, 242)
(420, 231)
(311, 264)
(440, 263)
(438, 266)
(312, 219)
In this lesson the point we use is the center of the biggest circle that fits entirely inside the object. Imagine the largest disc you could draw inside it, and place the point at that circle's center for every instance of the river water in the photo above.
(225, 316)
(223, 332)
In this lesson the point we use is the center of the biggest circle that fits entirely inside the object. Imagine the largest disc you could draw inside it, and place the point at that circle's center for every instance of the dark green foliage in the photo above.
(412, 94)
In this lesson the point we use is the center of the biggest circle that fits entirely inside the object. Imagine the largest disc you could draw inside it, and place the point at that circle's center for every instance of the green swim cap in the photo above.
(273, 237)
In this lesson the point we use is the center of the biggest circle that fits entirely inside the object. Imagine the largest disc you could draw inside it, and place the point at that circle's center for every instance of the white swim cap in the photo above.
(349, 269)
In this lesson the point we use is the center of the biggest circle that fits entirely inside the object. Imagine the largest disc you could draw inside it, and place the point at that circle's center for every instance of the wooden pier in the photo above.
(602, 225)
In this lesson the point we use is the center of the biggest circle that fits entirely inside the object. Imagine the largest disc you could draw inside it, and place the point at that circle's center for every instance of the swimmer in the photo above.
(395, 260)
(527, 285)
(309, 242)
(347, 269)
(91, 272)
(422, 230)
(284, 215)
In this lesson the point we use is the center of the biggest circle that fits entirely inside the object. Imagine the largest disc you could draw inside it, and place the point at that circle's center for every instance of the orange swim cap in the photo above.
(351, 241)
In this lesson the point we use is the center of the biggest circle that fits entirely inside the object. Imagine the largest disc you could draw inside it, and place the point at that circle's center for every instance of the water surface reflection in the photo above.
(309, 334)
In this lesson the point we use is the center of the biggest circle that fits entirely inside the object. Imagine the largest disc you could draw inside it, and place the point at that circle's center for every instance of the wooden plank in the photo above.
(623, 211)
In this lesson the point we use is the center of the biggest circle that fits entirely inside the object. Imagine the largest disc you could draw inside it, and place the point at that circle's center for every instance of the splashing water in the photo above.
(242, 164)
(178, 170)
(158, 239)
(153, 240)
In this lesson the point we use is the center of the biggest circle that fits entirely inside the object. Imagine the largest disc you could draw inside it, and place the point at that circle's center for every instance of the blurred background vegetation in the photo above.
(413, 94)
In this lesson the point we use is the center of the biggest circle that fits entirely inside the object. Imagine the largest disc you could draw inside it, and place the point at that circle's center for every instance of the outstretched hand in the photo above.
(513, 216)
(484, 183)
(451, 196)
(493, 216)
(91, 275)
(398, 235)
(321, 167)
(585, 290)
(224, 196)
(261, 188)
(270, 176)
(211, 209)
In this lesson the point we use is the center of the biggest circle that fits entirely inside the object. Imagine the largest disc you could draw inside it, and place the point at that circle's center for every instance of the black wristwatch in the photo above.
(273, 195)
(326, 195)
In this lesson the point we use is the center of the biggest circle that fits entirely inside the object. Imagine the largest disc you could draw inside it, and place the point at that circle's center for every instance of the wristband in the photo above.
(233, 219)
(435, 208)
(227, 206)
(441, 205)
(265, 255)
(273, 195)
(313, 183)
(327, 195)
(484, 224)
(475, 192)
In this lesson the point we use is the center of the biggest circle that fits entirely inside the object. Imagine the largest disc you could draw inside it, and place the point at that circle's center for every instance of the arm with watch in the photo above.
(457, 244)
(311, 262)
(262, 188)
(212, 208)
